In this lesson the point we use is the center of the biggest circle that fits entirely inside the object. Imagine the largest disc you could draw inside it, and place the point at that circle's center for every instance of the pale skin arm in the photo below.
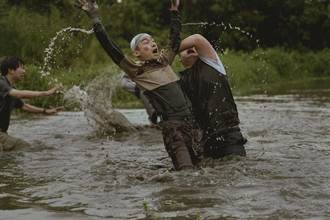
(27, 94)
(201, 44)
(35, 109)
(174, 5)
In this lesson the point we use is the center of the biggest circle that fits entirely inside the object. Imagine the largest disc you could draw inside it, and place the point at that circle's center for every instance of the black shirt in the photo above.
(212, 101)
(7, 103)
(170, 102)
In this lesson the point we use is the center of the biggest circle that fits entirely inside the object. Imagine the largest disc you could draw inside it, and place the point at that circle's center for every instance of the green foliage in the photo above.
(27, 25)
(33, 81)
(260, 70)
(286, 23)
(124, 99)
(247, 71)
(289, 27)
(282, 61)
(146, 207)
(317, 64)
(294, 64)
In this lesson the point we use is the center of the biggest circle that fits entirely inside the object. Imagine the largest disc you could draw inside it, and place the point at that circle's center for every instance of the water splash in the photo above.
(259, 55)
(49, 51)
(228, 26)
(96, 99)
(96, 102)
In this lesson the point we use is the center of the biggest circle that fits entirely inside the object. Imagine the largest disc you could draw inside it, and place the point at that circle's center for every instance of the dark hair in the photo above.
(10, 63)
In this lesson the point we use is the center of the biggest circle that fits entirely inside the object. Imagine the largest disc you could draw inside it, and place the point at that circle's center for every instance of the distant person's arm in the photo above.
(130, 86)
(35, 109)
(27, 94)
(91, 8)
(175, 29)
(152, 114)
(201, 44)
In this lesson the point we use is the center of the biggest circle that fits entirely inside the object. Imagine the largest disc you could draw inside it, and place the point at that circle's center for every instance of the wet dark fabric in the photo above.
(221, 145)
(175, 29)
(108, 45)
(7, 103)
(170, 102)
(213, 104)
(210, 94)
(179, 143)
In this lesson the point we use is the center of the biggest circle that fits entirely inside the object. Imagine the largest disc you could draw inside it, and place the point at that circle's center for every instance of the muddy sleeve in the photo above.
(174, 41)
(114, 51)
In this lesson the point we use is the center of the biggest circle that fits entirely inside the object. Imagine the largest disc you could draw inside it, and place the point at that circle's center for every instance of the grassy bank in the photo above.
(271, 71)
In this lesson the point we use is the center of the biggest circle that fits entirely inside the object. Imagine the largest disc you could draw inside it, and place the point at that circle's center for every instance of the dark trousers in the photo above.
(179, 143)
(223, 144)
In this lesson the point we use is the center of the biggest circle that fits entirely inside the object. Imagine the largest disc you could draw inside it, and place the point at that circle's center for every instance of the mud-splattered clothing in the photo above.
(214, 109)
(159, 82)
(178, 136)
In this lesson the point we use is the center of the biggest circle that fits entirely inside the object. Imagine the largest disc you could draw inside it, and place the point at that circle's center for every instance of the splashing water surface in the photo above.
(225, 27)
(96, 103)
(46, 68)
(70, 174)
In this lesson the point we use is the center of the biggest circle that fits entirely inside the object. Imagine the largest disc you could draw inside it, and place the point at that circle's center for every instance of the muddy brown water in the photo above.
(69, 173)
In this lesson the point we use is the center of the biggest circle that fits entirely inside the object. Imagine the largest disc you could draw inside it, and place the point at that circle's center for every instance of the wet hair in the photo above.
(10, 63)
(137, 39)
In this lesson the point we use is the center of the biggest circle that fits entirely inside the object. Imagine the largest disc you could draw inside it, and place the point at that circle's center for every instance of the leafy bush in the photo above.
(247, 72)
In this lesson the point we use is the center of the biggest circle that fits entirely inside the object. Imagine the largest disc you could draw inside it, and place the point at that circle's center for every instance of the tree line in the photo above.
(292, 24)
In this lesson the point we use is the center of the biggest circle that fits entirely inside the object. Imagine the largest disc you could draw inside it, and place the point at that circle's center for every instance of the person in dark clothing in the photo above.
(12, 70)
(153, 75)
(205, 82)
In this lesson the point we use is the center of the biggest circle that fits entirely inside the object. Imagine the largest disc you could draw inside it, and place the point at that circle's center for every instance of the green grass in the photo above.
(299, 86)
(271, 71)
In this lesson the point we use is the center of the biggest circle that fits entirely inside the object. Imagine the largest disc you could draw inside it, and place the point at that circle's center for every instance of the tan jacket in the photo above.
(153, 74)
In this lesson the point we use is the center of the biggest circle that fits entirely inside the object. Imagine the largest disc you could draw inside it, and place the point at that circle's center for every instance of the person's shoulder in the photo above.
(200, 61)
(3, 81)
(212, 63)
(5, 86)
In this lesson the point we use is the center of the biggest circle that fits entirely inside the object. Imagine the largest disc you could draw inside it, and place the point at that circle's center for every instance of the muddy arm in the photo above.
(108, 45)
(91, 8)
(174, 40)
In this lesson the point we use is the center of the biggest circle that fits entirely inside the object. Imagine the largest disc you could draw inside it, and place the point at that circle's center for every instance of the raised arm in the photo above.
(108, 45)
(201, 44)
(175, 29)
(91, 9)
